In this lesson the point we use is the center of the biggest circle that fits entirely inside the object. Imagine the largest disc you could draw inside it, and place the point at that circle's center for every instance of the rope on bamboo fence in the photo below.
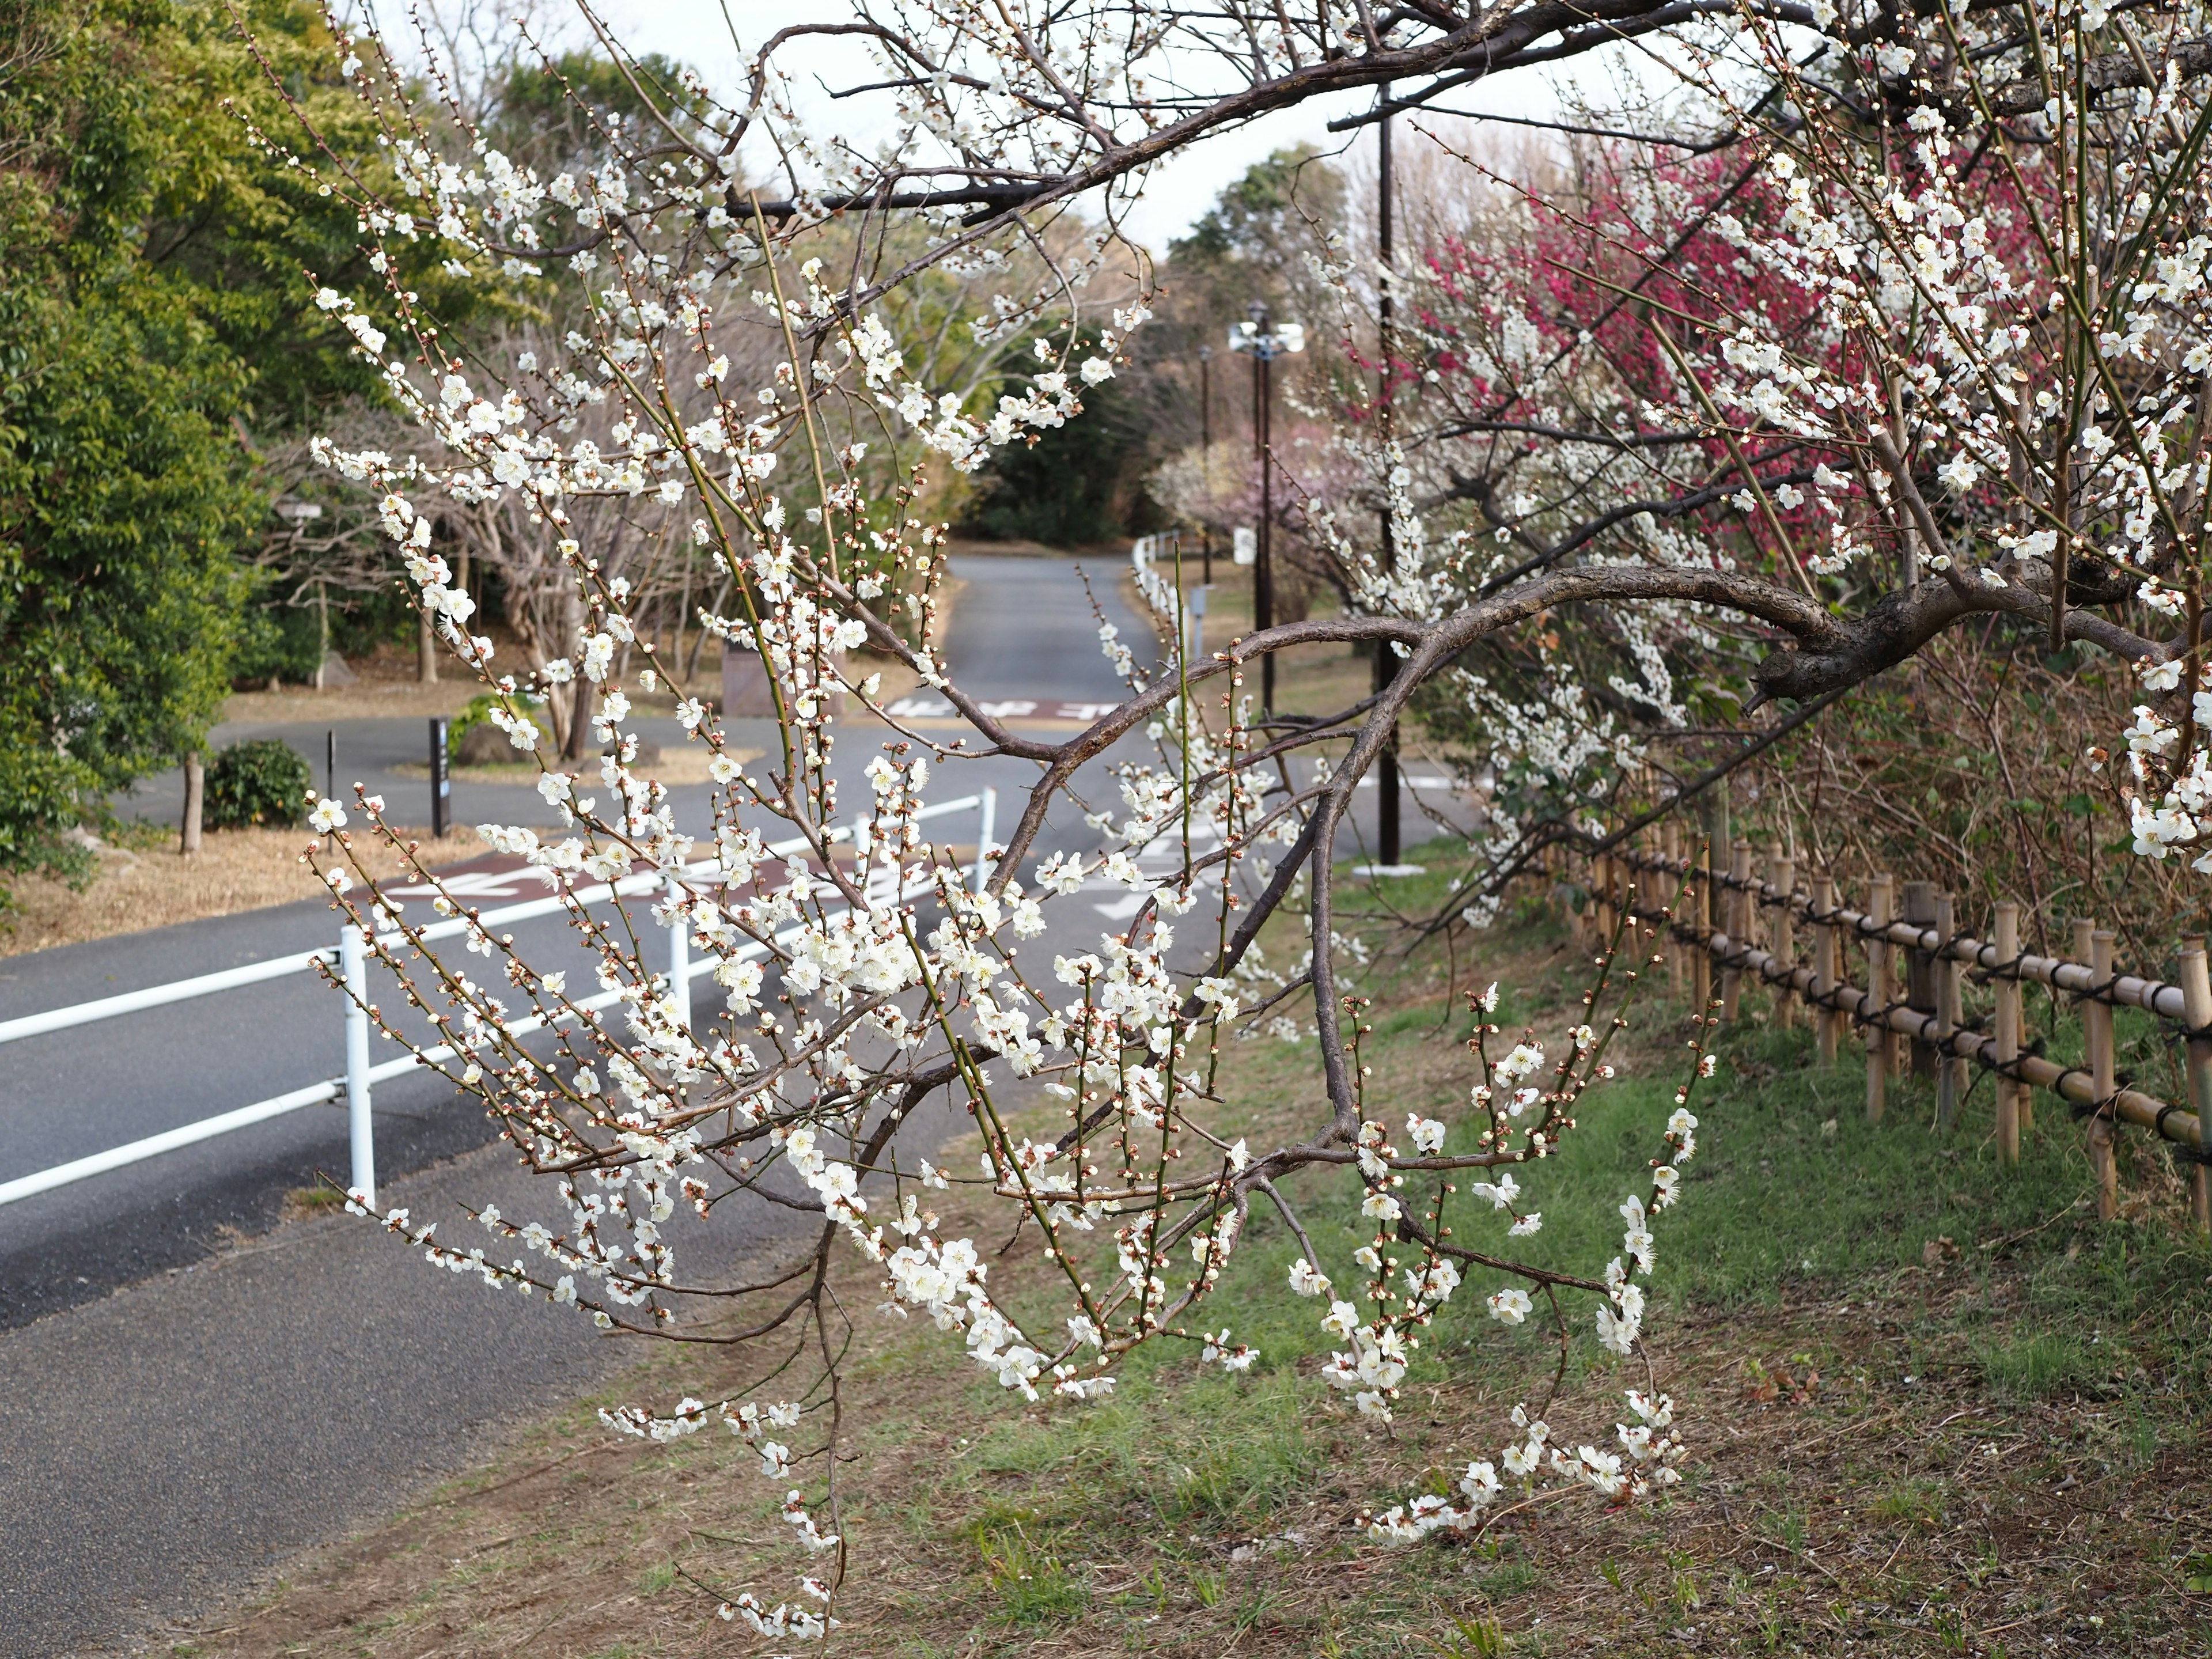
(2072, 1084)
(1939, 1036)
(2159, 997)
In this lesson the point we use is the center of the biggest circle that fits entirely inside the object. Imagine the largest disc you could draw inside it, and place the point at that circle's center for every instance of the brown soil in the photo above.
(235, 870)
(679, 764)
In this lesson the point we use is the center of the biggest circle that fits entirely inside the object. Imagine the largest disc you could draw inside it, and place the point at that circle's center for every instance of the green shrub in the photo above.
(276, 641)
(477, 712)
(284, 641)
(260, 782)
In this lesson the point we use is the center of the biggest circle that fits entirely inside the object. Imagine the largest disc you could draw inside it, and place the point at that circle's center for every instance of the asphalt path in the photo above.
(1024, 623)
(192, 1390)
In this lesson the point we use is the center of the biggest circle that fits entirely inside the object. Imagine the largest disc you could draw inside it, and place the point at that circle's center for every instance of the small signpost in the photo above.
(441, 785)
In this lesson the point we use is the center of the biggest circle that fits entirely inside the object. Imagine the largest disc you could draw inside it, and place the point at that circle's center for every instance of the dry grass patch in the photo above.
(155, 886)
(679, 764)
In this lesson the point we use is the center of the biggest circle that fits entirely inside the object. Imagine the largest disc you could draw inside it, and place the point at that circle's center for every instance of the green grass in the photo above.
(1912, 1503)
(1793, 1197)
(1030, 1585)
(2037, 1366)
(1194, 1503)
(1227, 1452)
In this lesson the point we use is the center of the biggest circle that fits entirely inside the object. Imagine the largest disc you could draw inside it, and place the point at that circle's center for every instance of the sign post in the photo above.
(441, 785)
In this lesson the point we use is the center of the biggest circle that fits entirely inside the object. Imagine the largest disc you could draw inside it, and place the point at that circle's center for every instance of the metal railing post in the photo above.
(353, 961)
(987, 813)
(679, 949)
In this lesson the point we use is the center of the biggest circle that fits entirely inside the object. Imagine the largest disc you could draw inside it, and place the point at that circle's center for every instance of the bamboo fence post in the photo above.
(1824, 964)
(2008, 1032)
(2097, 1022)
(1671, 845)
(2081, 928)
(2196, 1009)
(1701, 961)
(1879, 892)
(1891, 1045)
(1920, 971)
(1739, 931)
(1783, 872)
(1950, 1068)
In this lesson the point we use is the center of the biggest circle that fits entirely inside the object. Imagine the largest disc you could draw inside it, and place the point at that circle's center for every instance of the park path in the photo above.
(165, 1448)
(191, 1388)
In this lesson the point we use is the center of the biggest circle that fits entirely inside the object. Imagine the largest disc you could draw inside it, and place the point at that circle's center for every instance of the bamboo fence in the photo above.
(1910, 1013)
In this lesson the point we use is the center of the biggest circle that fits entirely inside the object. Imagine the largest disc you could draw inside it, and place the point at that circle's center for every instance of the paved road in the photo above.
(76, 1092)
(257, 1388)
(166, 1446)
(1026, 627)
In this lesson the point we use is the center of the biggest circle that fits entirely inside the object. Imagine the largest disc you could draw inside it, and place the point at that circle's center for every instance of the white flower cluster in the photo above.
(860, 972)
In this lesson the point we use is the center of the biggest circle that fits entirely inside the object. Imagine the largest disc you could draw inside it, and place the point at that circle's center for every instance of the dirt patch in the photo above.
(384, 683)
(235, 870)
(369, 699)
(679, 764)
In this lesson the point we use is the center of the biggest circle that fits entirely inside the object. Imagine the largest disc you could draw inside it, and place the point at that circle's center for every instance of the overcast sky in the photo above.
(1178, 191)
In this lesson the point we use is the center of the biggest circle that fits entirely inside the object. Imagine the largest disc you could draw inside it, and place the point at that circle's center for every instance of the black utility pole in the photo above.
(1263, 572)
(1205, 452)
(1386, 660)
(1265, 343)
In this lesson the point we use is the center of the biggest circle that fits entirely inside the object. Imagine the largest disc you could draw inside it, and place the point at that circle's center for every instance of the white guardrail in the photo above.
(351, 954)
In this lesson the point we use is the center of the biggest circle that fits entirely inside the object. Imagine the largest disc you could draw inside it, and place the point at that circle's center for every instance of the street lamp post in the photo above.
(1205, 454)
(1387, 850)
(1265, 344)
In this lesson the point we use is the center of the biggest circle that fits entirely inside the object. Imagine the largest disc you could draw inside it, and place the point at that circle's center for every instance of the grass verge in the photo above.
(1933, 1407)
